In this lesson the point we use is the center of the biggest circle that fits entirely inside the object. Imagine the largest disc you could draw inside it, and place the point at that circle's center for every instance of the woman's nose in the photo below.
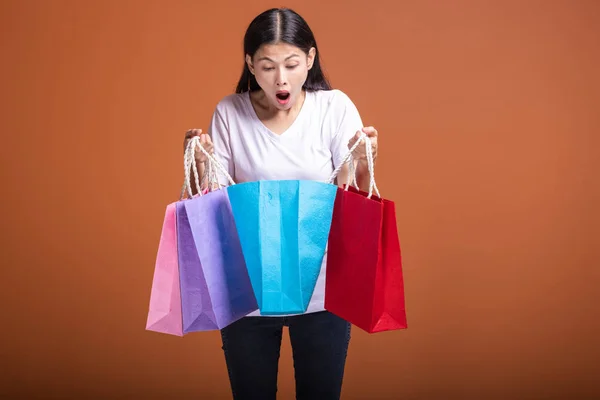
(281, 79)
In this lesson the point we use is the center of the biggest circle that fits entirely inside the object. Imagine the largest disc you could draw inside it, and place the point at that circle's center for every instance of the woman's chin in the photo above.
(283, 105)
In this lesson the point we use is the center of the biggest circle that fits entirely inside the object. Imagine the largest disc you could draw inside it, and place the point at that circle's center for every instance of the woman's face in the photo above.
(281, 70)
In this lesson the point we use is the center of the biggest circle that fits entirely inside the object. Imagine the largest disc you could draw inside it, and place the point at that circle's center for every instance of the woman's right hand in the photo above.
(205, 141)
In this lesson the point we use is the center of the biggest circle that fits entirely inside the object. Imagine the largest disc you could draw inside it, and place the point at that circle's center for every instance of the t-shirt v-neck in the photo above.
(291, 130)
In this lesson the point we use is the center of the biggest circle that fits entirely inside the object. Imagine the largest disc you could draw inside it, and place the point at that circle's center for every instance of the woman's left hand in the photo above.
(360, 153)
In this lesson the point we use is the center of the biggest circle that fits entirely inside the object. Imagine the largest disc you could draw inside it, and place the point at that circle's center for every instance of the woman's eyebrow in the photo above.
(265, 58)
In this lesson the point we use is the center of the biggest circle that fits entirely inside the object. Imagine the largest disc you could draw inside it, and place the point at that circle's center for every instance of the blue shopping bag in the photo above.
(283, 227)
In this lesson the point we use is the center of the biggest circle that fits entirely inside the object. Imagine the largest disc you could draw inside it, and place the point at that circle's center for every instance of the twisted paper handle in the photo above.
(188, 161)
(352, 173)
(213, 165)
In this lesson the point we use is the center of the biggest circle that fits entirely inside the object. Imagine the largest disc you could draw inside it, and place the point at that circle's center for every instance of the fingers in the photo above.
(360, 152)
(192, 132)
(367, 130)
(370, 131)
(205, 142)
(205, 139)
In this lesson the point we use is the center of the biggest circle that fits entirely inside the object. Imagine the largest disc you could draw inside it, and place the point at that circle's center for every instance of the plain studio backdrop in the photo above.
(489, 116)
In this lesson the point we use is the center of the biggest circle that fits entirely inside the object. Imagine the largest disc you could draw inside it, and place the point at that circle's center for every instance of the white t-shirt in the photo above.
(310, 149)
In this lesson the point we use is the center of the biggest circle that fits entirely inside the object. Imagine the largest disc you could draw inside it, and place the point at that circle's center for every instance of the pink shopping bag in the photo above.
(164, 315)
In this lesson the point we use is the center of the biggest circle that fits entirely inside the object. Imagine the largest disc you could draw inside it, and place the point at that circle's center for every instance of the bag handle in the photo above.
(352, 169)
(189, 162)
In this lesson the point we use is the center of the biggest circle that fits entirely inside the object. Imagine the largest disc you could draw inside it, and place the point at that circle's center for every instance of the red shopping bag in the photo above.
(364, 283)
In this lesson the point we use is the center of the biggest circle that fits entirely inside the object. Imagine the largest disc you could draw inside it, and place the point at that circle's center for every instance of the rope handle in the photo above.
(352, 173)
(189, 161)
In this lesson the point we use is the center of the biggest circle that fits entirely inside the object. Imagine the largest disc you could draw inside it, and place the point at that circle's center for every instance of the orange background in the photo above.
(489, 115)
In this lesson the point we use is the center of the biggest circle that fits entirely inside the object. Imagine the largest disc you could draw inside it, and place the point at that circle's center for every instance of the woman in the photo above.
(285, 122)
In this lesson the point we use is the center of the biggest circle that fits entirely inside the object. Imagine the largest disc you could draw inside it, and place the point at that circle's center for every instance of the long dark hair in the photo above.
(281, 25)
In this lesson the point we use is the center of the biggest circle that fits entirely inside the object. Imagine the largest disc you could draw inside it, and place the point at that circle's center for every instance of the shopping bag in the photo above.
(283, 226)
(364, 281)
(164, 314)
(215, 286)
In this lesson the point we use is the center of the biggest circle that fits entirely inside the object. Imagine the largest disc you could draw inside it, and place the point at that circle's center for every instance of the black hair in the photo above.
(275, 26)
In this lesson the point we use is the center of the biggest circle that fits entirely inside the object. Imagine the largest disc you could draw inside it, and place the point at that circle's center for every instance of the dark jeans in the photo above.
(319, 344)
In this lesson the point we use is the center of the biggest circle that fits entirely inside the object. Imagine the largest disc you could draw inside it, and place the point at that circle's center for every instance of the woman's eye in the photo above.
(268, 68)
(291, 66)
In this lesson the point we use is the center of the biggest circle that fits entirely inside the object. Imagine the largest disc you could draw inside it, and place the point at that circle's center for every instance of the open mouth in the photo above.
(282, 97)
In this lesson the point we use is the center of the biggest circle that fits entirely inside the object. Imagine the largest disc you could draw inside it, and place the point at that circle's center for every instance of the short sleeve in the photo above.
(219, 133)
(348, 122)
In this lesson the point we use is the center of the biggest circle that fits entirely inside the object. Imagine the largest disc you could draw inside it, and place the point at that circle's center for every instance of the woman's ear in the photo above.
(249, 63)
(311, 57)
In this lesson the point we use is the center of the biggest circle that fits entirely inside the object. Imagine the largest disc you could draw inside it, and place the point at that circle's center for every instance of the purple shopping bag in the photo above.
(164, 314)
(215, 286)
